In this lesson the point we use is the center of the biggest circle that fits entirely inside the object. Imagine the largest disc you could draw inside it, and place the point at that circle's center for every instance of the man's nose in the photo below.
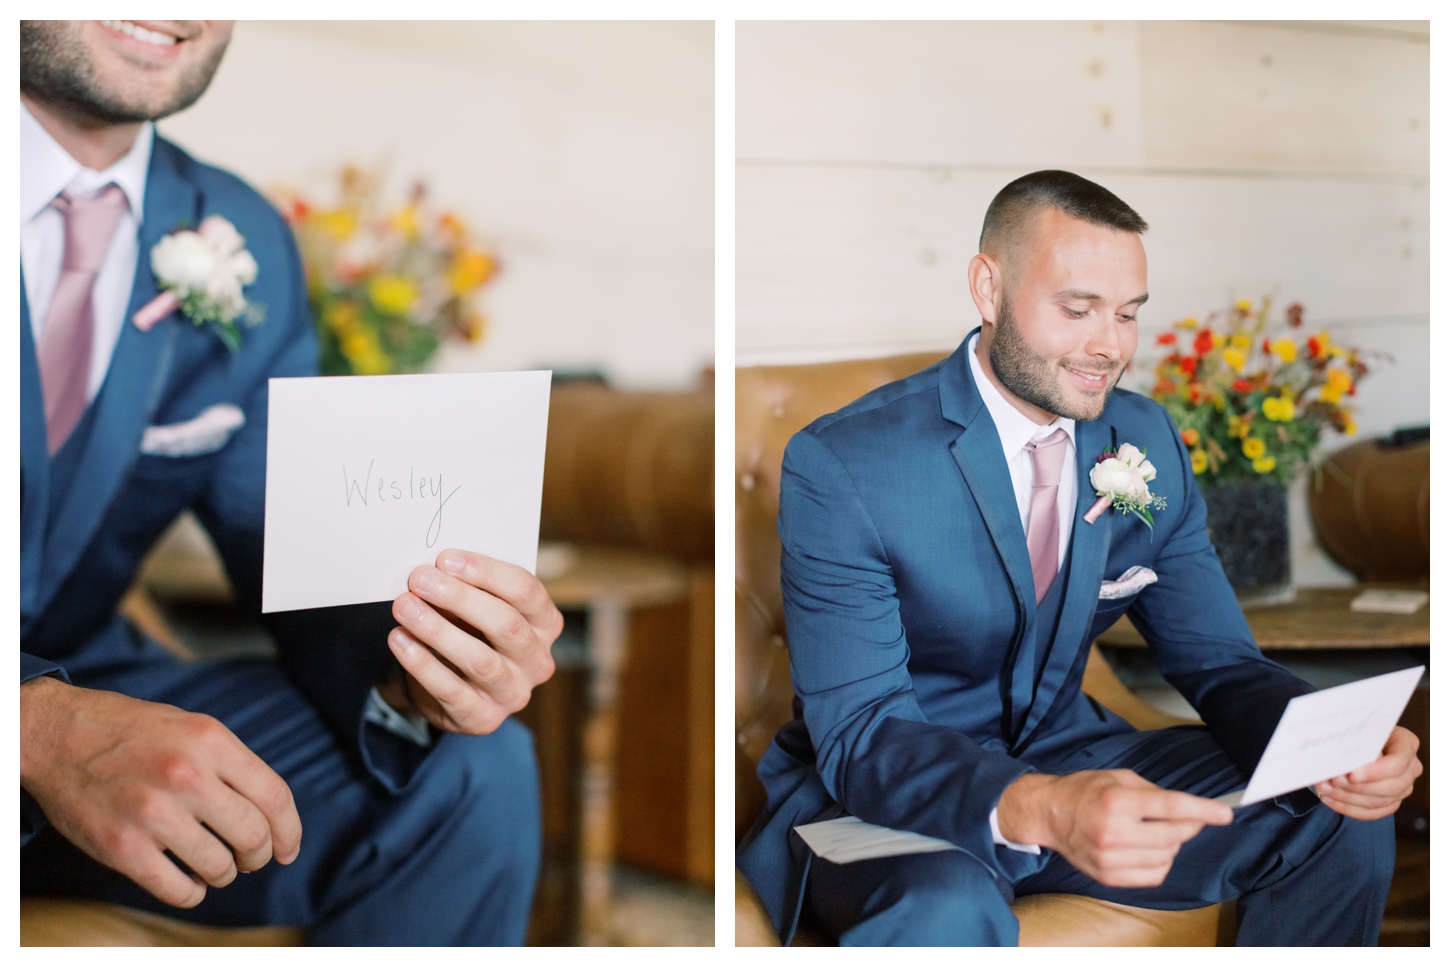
(1105, 339)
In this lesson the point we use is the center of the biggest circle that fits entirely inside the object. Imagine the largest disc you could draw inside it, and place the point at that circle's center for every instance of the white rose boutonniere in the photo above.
(1121, 480)
(202, 273)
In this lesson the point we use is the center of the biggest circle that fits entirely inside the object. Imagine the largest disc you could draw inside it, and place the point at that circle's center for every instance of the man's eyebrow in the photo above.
(1086, 296)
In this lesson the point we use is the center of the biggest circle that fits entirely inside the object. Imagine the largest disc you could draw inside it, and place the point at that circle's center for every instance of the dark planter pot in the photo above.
(1248, 523)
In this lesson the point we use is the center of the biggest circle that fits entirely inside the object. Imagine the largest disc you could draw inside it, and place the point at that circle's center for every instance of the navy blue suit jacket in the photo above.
(82, 538)
(912, 622)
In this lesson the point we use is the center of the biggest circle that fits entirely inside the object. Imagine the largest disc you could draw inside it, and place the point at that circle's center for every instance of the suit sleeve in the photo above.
(334, 655)
(875, 752)
(1198, 635)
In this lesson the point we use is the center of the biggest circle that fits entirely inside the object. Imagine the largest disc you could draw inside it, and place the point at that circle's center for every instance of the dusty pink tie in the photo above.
(65, 340)
(1047, 457)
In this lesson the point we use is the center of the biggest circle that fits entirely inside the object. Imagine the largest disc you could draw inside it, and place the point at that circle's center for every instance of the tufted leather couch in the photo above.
(771, 404)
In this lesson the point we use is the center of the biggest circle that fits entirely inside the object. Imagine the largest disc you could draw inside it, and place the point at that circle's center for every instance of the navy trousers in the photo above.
(1315, 879)
(452, 860)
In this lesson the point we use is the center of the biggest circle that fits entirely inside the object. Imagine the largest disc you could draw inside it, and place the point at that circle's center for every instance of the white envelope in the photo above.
(370, 476)
(1329, 733)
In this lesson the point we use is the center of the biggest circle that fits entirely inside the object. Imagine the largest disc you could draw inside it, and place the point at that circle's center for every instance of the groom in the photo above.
(398, 801)
(943, 581)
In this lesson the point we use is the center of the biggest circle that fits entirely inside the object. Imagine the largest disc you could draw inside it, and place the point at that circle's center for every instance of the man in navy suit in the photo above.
(399, 801)
(943, 581)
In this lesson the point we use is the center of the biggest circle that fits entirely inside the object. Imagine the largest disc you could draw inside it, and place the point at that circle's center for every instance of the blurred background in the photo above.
(494, 196)
(1281, 160)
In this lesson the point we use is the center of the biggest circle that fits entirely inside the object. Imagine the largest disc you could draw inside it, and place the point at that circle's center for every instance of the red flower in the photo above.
(1163, 386)
(1194, 394)
(1241, 385)
(1203, 343)
(1167, 338)
(1189, 364)
(1295, 314)
(1267, 350)
(1314, 346)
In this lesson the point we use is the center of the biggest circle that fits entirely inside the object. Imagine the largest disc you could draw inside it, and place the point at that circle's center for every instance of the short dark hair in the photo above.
(1008, 215)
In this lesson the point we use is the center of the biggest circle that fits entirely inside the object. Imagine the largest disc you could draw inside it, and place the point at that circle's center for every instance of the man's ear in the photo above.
(987, 283)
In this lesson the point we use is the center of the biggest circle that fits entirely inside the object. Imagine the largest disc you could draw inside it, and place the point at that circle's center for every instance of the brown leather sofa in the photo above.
(771, 404)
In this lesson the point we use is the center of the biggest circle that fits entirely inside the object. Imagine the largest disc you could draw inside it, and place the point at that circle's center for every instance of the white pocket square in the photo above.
(208, 431)
(1133, 580)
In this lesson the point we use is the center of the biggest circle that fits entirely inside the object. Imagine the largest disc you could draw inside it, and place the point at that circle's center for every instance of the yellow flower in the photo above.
(1264, 464)
(1325, 346)
(404, 221)
(1253, 448)
(1190, 437)
(366, 356)
(1244, 306)
(1238, 426)
(1189, 322)
(1217, 340)
(471, 269)
(1349, 428)
(339, 224)
(1236, 358)
(1200, 461)
(1340, 381)
(1284, 349)
(1241, 342)
(1279, 409)
(340, 317)
(392, 294)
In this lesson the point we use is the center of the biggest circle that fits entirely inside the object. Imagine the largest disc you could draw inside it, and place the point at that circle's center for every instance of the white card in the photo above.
(370, 476)
(850, 840)
(1329, 733)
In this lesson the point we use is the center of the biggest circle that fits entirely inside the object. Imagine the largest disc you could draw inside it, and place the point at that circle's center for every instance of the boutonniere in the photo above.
(201, 273)
(1121, 480)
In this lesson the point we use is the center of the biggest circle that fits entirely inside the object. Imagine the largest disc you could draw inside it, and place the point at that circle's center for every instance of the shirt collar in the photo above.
(47, 169)
(1013, 427)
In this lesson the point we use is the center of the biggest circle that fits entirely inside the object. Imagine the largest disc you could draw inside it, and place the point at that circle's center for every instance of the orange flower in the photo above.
(1190, 436)
(471, 269)
(1167, 338)
(1189, 364)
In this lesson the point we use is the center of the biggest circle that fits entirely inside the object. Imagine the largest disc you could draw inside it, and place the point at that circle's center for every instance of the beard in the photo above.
(1034, 378)
(55, 67)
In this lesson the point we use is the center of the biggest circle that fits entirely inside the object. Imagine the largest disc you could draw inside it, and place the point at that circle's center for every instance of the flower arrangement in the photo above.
(1251, 400)
(386, 286)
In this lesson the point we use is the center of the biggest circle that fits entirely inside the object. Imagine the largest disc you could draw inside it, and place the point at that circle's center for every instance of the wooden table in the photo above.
(607, 583)
(1317, 618)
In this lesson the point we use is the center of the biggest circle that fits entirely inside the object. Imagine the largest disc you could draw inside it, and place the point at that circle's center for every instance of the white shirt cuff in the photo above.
(409, 725)
(997, 837)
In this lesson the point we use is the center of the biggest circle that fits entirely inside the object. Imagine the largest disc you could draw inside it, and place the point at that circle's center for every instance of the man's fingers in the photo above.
(468, 709)
(482, 666)
(1164, 804)
(1155, 833)
(255, 781)
(163, 879)
(207, 856)
(507, 581)
(1365, 800)
(500, 623)
(239, 824)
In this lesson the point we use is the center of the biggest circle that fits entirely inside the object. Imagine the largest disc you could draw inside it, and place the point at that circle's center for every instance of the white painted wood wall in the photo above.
(1266, 158)
(584, 150)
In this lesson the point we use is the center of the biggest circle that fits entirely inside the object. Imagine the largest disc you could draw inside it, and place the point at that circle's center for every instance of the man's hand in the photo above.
(1376, 789)
(475, 640)
(1114, 825)
(126, 781)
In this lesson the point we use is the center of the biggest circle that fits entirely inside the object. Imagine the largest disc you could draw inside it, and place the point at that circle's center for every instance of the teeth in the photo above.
(141, 33)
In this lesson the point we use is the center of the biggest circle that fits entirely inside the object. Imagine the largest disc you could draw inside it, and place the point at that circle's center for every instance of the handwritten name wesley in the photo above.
(383, 490)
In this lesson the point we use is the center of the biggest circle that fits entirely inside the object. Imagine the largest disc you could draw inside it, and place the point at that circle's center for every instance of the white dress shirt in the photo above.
(46, 169)
(1016, 431)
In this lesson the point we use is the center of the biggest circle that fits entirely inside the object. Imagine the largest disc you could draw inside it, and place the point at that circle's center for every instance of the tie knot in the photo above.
(90, 224)
(1047, 456)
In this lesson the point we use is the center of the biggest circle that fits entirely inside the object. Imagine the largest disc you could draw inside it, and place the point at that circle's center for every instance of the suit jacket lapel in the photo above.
(133, 384)
(1088, 557)
(34, 465)
(978, 453)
